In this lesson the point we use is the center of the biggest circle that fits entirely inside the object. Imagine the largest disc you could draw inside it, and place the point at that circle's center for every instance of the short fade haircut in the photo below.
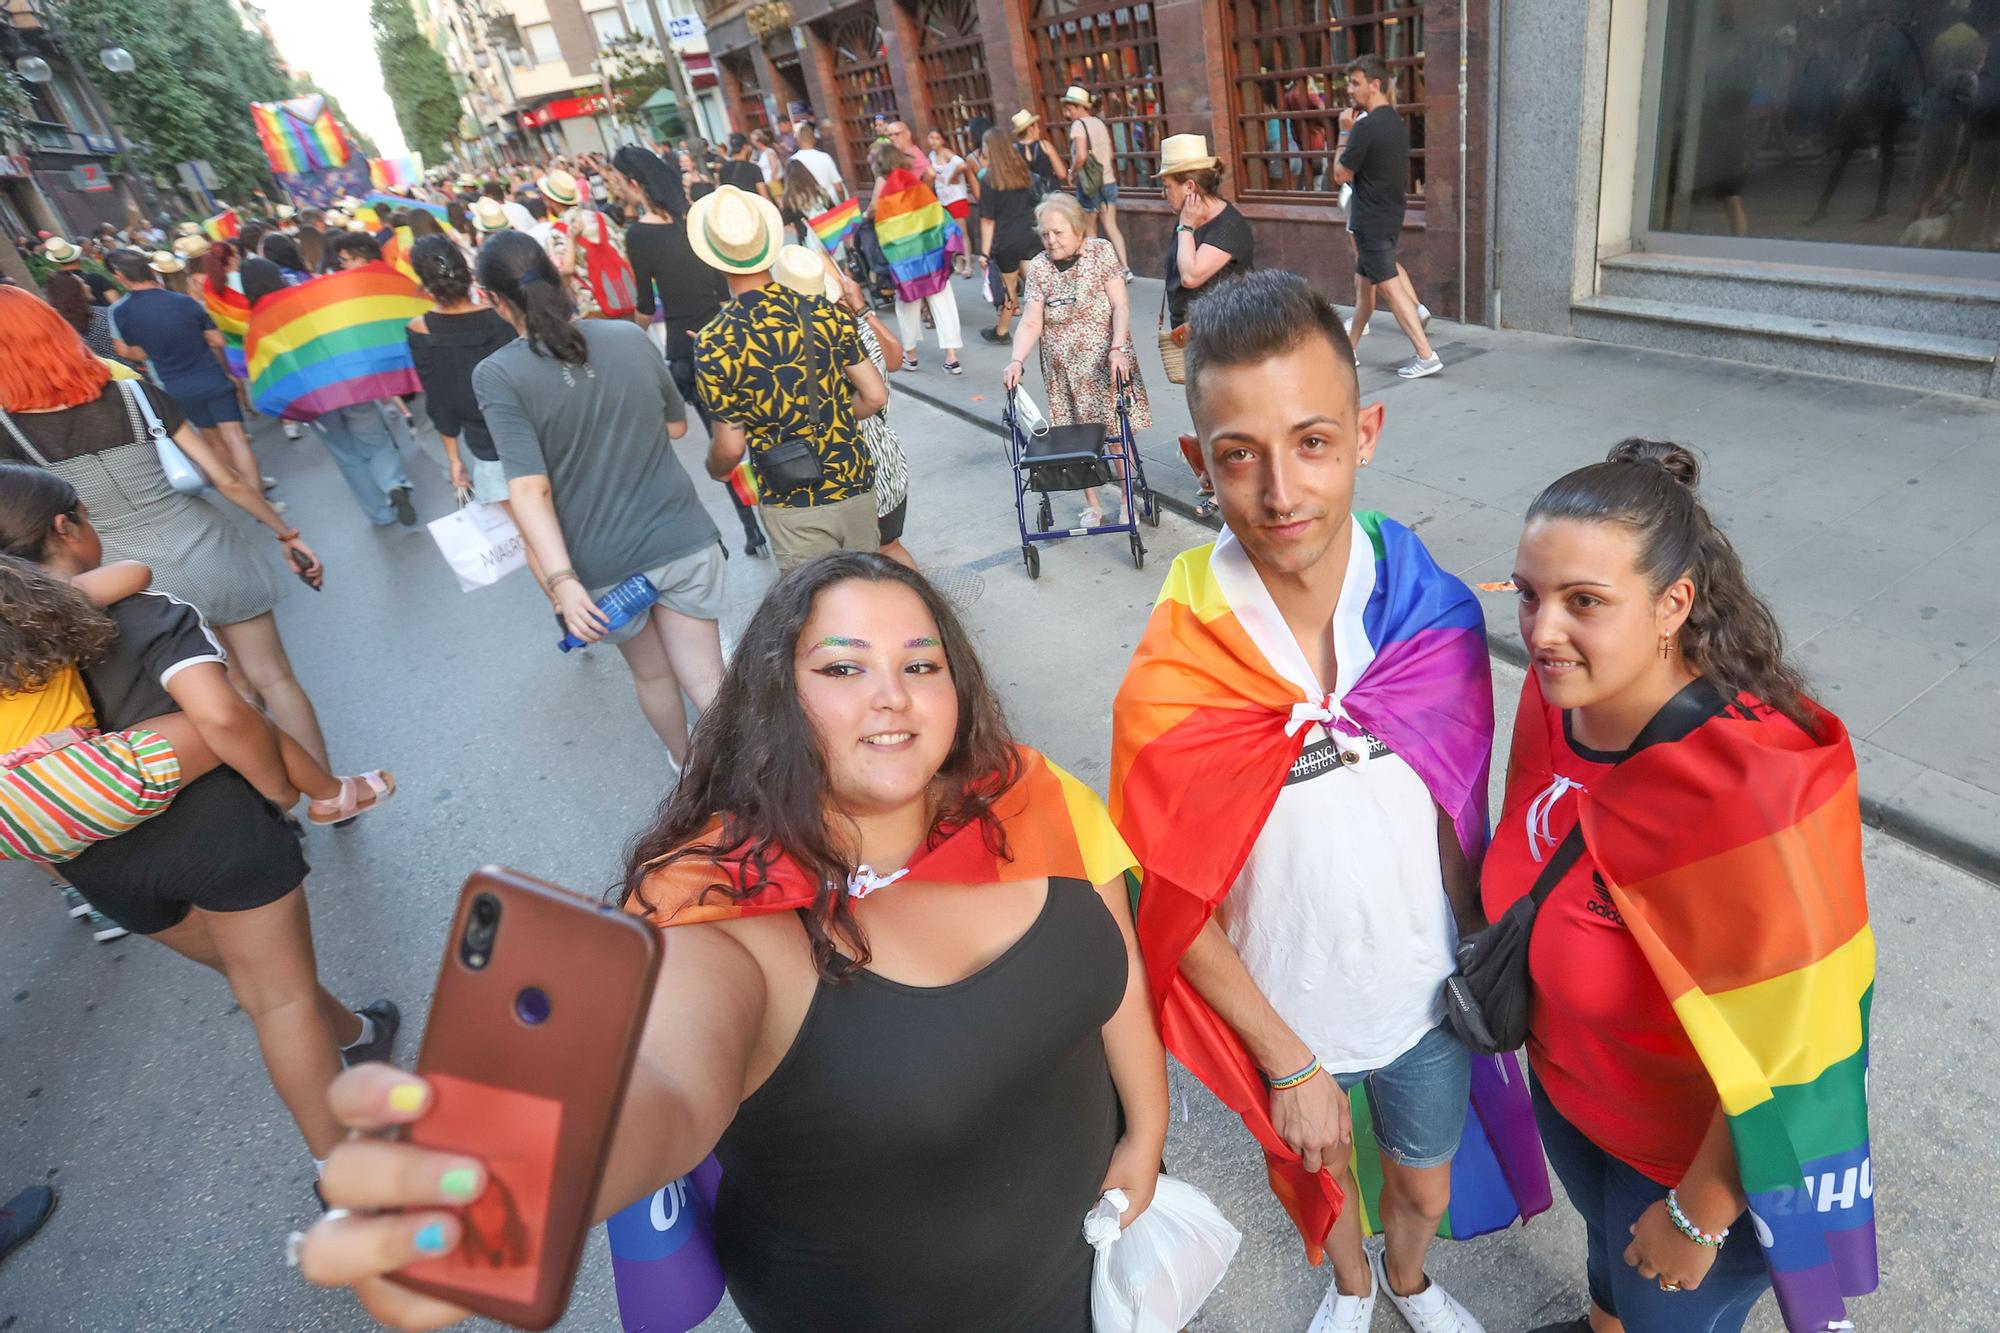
(1264, 313)
(354, 242)
(131, 265)
(1370, 67)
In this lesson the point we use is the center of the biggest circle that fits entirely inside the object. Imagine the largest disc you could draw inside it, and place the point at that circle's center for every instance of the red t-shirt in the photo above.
(1602, 1040)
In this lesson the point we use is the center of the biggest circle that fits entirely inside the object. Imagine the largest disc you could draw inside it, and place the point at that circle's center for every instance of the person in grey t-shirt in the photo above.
(582, 413)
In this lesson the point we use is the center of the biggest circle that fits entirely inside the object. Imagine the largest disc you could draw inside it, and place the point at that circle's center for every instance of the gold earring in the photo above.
(1666, 646)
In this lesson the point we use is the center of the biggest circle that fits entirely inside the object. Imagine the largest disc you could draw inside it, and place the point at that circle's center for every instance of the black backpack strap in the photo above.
(1559, 864)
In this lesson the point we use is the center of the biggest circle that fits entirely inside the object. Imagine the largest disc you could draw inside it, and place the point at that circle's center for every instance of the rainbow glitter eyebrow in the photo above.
(925, 642)
(837, 641)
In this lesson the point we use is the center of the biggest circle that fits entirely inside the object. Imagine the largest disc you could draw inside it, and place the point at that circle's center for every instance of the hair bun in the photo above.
(1676, 460)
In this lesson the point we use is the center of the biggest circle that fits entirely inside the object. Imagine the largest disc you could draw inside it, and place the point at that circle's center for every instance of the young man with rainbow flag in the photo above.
(1299, 763)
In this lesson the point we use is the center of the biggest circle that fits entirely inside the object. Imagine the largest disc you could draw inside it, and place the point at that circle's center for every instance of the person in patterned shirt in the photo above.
(785, 380)
(571, 217)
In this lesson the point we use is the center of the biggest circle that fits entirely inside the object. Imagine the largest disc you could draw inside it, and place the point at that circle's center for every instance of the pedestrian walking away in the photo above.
(957, 189)
(919, 242)
(819, 162)
(1374, 158)
(1093, 169)
(1661, 728)
(1007, 234)
(1021, 961)
(785, 380)
(1303, 907)
(583, 414)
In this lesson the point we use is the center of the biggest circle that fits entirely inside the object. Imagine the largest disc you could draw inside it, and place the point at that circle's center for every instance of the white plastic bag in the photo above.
(480, 543)
(1153, 1276)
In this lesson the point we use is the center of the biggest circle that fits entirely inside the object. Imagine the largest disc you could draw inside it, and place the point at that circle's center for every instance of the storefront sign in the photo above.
(569, 108)
(681, 28)
(89, 179)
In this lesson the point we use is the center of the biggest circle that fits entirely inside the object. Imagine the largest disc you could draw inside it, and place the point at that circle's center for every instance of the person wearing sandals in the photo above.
(1077, 308)
(217, 876)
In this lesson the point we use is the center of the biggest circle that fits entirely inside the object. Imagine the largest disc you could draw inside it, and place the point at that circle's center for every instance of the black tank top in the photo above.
(922, 1158)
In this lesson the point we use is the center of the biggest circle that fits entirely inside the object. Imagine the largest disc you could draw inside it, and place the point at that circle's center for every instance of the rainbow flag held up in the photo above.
(333, 341)
(385, 204)
(1734, 856)
(224, 226)
(743, 484)
(230, 313)
(836, 224)
(918, 237)
(1202, 696)
(300, 135)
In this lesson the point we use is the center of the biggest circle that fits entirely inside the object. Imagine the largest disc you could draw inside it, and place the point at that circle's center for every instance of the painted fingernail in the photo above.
(459, 1184)
(407, 1098)
(430, 1240)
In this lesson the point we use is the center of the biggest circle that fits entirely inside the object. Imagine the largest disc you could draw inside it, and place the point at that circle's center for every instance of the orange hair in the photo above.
(43, 363)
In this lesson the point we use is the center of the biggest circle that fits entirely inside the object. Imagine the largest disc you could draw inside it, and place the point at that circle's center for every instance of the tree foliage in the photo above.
(417, 80)
(635, 71)
(197, 70)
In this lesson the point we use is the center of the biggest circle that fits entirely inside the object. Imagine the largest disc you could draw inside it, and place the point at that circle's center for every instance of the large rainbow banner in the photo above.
(917, 236)
(300, 135)
(334, 341)
(385, 203)
(1205, 731)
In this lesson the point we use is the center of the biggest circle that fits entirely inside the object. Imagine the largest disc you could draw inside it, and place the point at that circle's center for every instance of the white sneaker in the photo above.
(1419, 367)
(294, 431)
(1432, 1310)
(1344, 1314)
(1423, 314)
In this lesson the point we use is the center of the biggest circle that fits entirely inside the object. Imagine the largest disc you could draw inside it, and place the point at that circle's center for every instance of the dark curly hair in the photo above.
(45, 625)
(440, 266)
(756, 762)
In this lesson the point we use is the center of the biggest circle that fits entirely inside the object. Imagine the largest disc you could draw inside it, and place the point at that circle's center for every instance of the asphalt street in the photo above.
(134, 1087)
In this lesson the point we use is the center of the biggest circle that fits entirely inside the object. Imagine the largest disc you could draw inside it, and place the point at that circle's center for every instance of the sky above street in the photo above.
(334, 42)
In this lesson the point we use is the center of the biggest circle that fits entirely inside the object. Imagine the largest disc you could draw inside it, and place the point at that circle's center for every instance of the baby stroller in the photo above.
(1049, 458)
(869, 267)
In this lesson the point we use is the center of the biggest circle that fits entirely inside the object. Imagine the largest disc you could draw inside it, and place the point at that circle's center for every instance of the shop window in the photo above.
(542, 43)
(861, 78)
(953, 57)
(1113, 52)
(1289, 84)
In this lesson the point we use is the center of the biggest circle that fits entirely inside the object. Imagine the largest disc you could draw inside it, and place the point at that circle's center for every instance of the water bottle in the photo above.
(630, 599)
(663, 1259)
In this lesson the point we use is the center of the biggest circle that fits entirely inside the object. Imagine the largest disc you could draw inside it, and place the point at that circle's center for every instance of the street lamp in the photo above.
(116, 59)
(34, 69)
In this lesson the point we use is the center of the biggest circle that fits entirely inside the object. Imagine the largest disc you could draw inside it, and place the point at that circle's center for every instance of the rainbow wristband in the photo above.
(1293, 1080)
(1688, 1228)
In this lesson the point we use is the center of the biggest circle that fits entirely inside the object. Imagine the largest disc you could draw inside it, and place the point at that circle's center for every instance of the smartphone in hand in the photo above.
(303, 564)
(533, 1031)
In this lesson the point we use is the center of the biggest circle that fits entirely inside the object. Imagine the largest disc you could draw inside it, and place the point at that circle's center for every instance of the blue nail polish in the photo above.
(430, 1240)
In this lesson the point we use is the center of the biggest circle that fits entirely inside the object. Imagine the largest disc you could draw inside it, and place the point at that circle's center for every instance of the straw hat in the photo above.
(191, 247)
(59, 250)
(189, 229)
(1076, 96)
(805, 272)
(465, 183)
(1022, 120)
(735, 231)
(560, 189)
(488, 216)
(164, 262)
(286, 212)
(1181, 153)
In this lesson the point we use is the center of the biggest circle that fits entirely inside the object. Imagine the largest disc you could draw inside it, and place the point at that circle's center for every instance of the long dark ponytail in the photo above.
(514, 267)
(1731, 637)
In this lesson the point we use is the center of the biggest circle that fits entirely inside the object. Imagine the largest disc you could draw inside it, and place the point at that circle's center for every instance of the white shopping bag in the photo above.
(480, 543)
(1153, 1276)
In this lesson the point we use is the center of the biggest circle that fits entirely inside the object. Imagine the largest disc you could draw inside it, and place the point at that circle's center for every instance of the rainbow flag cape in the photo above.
(230, 313)
(1052, 825)
(224, 226)
(386, 204)
(1734, 855)
(836, 224)
(918, 237)
(333, 341)
(1201, 698)
(300, 135)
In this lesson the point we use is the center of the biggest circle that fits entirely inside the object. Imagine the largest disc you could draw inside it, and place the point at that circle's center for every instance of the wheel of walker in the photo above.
(1044, 516)
(1033, 560)
(1151, 511)
(1138, 551)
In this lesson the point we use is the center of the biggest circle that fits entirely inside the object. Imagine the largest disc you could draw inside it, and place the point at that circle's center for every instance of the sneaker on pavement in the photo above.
(382, 1046)
(22, 1216)
(102, 928)
(1344, 1314)
(75, 902)
(294, 431)
(406, 513)
(277, 506)
(1432, 1310)
(1419, 367)
(1423, 315)
(270, 483)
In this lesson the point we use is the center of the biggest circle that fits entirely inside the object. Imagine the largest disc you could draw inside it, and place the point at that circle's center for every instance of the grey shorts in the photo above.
(798, 533)
(692, 585)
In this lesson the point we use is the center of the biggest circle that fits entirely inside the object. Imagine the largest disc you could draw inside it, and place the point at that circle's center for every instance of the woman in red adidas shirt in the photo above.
(1640, 627)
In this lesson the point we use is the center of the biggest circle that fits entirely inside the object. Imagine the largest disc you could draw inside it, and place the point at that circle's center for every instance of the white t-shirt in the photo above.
(518, 216)
(824, 171)
(1340, 914)
(950, 168)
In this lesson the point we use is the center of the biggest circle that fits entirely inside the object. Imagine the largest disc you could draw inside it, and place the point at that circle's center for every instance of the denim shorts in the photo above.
(207, 408)
(1106, 194)
(1418, 1099)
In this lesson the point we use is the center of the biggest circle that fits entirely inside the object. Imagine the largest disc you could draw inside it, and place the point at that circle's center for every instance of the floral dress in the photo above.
(1076, 337)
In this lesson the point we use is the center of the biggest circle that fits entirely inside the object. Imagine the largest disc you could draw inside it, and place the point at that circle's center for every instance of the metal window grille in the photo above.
(1112, 51)
(750, 112)
(861, 74)
(953, 56)
(1288, 85)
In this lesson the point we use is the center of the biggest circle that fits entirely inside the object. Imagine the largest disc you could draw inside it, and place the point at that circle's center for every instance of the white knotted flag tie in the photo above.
(1539, 811)
(865, 881)
(1322, 711)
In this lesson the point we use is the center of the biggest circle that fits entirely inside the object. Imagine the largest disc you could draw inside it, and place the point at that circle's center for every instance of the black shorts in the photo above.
(890, 525)
(1375, 257)
(220, 847)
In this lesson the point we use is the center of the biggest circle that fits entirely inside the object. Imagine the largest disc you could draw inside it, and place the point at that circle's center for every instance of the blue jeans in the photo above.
(1611, 1196)
(1418, 1100)
(365, 452)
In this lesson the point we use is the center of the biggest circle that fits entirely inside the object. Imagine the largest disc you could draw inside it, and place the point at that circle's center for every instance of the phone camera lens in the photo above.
(531, 1006)
(482, 923)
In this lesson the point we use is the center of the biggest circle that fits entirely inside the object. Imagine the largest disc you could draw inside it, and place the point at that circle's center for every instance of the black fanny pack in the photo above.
(1486, 1000)
(793, 463)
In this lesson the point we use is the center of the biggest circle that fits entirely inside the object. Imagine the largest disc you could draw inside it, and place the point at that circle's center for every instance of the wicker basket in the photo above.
(1172, 355)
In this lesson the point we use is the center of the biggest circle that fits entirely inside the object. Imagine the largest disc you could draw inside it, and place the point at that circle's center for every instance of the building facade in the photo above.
(63, 175)
(1262, 79)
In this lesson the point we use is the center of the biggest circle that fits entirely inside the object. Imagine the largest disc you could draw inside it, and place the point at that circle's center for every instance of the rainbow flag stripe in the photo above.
(917, 236)
(334, 341)
(385, 204)
(1201, 697)
(836, 224)
(230, 313)
(1774, 988)
(1052, 825)
(224, 226)
(300, 135)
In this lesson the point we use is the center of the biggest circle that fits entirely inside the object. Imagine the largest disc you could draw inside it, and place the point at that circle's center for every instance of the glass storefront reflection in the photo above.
(1872, 122)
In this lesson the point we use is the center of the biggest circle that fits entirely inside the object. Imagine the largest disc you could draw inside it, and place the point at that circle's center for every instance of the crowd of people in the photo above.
(1299, 755)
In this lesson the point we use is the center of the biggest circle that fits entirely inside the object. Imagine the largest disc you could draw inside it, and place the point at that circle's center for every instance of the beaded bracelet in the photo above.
(1688, 1228)
(1293, 1080)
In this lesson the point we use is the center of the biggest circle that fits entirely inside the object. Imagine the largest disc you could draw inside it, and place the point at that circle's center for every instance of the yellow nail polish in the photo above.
(407, 1097)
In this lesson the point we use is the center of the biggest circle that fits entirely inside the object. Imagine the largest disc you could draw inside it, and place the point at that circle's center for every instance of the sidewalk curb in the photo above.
(1899, 822)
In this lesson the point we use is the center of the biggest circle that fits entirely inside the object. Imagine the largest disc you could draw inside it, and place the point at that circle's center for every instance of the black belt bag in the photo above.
(1486, 1000)
(794, 463)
